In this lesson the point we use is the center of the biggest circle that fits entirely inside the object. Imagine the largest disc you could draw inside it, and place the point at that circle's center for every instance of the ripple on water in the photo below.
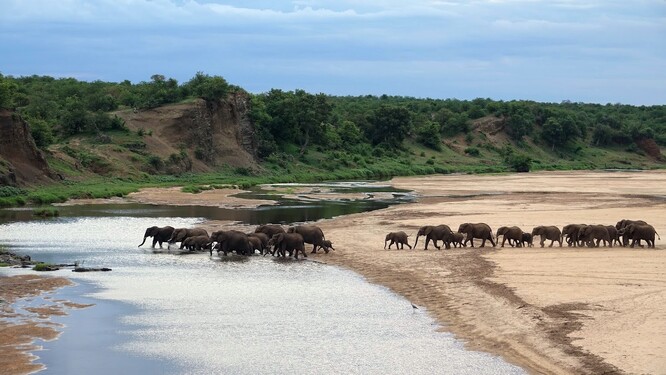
(252, 316)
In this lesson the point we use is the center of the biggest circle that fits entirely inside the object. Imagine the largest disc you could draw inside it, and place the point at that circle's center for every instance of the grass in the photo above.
(325, 165)
(46, 212)
(45, 267)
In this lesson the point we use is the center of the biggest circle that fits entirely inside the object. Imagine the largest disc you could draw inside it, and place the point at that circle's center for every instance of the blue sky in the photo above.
(579, 50)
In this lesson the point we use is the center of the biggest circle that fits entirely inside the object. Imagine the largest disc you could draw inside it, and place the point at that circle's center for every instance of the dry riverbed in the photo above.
(551, 310)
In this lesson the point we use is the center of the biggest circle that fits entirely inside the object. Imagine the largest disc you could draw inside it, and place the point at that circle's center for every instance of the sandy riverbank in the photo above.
(551, 310)
(19, 328)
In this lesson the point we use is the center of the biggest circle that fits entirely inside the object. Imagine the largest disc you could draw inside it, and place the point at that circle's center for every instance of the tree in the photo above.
(520, 123)
(389, 125)
(207, 87)
(428, 135)
(7, 90)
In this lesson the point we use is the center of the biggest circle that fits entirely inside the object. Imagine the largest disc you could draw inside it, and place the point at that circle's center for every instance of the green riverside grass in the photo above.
(316, 167)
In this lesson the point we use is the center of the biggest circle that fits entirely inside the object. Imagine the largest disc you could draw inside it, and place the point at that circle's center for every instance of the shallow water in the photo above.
(195, 314)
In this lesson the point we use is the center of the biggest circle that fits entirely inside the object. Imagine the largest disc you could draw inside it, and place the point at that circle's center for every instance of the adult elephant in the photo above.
(312, 234)
(232, 240)
(159, 234)
(625, 222)
(435, 233)
(638, 232)
(397, 238)
(514, 234)
(589, 233)
(288, 242)
(477, 230)
(198, 243)
(270, 229)
(180, 234)
(570, 233)
(548, 232)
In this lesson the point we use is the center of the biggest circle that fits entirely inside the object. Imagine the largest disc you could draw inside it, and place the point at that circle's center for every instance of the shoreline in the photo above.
(551, 310)
(20, 328)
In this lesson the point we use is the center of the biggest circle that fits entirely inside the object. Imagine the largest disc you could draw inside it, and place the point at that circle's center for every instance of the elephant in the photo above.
(312, 234)
(198, 243)
(623, 223)
(434, 233)
(158, 234)
(613, 233)
(637, 232)
(478, 230)
(397, 238)
(256, 244)
(328, 245)
(528, 239)
(232, 240)
(549, 232)
(291, 242)
(457, 239)
(180, 234)
(263, 238)
(589, 233)
(270, 229)
(570, 232)
(510, 233)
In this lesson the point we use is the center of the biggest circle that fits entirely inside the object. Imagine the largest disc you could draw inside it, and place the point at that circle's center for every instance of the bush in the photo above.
(46, 212)
(472, 151)
(519, 162)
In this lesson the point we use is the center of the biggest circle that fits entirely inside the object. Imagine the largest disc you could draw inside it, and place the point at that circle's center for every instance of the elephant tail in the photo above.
(655, 232)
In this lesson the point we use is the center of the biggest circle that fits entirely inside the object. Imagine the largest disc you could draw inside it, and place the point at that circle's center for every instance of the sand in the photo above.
(550, 310)
(19, 328)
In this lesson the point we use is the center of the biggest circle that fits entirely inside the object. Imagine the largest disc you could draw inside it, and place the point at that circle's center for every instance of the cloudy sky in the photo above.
(602, 51)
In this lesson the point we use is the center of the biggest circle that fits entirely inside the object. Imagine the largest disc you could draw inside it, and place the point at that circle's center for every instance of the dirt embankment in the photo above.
(21, 162)
(212, 133)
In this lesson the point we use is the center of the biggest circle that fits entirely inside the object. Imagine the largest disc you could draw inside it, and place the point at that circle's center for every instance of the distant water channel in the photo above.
(192, 314)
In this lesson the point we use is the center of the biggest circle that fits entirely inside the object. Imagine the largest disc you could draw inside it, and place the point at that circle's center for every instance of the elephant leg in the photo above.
(503, 240)
(155, 242)
(483, 243)
(551, 243)
(471, 241)
(427, 242)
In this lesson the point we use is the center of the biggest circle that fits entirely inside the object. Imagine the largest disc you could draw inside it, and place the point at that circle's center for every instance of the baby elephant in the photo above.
(397, 238)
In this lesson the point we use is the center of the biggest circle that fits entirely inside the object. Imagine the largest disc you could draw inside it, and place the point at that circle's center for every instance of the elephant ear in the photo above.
(428, 230)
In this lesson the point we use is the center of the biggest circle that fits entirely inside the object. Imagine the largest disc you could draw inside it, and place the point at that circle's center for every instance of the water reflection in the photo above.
(200, 315)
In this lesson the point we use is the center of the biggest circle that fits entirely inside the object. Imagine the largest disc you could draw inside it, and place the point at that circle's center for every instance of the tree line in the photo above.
(295, 121)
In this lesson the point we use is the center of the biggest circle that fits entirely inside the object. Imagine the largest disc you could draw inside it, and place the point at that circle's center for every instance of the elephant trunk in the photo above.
(385, 244)
(144, 241)
(417, 241)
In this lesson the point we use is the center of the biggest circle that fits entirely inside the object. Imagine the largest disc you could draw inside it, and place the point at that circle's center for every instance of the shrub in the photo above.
(46, 212)
(472, 151)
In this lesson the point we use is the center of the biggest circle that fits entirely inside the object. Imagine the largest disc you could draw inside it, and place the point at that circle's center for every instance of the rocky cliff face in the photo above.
(21, 162)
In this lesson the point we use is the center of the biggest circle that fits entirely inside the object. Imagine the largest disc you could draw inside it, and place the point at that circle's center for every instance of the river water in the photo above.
(164, 313)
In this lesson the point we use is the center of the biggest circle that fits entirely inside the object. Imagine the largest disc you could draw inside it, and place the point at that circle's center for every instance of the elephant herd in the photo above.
(268, 238)
(576, 235)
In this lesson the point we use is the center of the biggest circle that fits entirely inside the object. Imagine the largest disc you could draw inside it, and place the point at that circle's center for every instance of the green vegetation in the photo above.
(304, 137)
(45, 267)
(46, 212)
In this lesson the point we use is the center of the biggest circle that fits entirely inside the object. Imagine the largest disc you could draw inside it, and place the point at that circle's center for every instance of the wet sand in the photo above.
(551, 310)
(20, 328)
